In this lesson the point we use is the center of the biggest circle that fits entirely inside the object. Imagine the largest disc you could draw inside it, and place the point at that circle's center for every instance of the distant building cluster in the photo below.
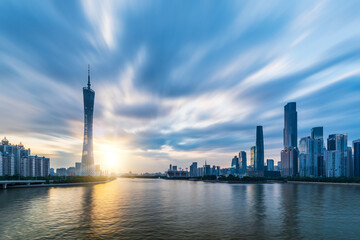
(16, 160)
(308, 159)
(78, 171)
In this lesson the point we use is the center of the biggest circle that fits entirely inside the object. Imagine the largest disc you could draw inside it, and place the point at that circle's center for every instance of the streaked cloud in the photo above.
(175, 81)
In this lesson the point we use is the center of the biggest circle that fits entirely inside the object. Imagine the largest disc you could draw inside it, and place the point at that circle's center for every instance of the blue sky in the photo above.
(175, 81)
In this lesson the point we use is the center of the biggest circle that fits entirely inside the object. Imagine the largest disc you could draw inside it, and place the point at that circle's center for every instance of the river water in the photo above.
(164, 209)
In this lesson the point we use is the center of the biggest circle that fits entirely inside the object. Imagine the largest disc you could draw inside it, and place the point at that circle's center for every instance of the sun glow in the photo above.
(109, 155)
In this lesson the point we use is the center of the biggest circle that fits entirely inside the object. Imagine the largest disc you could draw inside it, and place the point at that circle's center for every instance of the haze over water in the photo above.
(165, 209)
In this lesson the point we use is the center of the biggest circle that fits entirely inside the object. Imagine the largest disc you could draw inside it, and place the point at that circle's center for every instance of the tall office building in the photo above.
(338, 157)
(290, 125)
(306, 163)
(87, 160)
(235, 164)
(252, 157)
(193, 169)
(356, 146)
(317, 133)
(311, 154)
(270, 164)
(242, 162)
(259, 152)
(289, 156)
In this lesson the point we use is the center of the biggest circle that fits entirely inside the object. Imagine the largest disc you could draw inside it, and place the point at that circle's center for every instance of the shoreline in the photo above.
(330, 183)
(57, 184)
(253, 182)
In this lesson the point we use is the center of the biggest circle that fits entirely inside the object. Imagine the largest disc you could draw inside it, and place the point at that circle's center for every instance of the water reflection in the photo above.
(159, 209)
(289, 207)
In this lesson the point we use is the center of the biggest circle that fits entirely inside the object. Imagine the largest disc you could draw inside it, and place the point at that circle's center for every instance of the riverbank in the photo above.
(58, 184)
(257, 180)
(323, 183)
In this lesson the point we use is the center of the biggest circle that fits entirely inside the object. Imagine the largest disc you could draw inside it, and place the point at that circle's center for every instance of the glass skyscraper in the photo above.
(317, 133)
(290, 125)
(289, 156)
(87, 160)
(356, 145)
(243, 161)
(252, 157)
(259, 151)
(338, 157)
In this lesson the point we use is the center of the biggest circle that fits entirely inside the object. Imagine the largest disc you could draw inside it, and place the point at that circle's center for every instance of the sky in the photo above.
(175, 81)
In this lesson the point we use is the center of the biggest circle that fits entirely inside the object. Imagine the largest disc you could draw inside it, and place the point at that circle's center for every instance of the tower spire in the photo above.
(89, 85)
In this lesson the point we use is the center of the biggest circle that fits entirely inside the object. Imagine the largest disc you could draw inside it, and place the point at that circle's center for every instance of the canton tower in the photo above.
(87, 161)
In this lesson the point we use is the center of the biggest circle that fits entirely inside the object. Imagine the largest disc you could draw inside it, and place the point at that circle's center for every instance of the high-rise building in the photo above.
(87, 160)
(235, 164)
(252, 157)
(289, 162)
(78, 168)
(290, 125)
(259, 152)
(289, 156)
(207, 170)
(338, 157)
(317, 133)
(270, 164)
(1, 165)
(317, 136)
(306, 162)
(243, 162)
(8, 164)
(356, 146)
(193, 169)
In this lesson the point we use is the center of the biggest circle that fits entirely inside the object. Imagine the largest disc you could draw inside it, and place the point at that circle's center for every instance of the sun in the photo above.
(109, 155)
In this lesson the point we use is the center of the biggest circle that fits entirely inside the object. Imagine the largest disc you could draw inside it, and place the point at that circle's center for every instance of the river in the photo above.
(165, 209)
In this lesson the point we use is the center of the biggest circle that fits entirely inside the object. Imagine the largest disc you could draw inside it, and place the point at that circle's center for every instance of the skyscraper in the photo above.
(311, 154)
(270, 164)
(193, 169)
(235, 164)
(290, 125)
(242, 161)
(289, 156)
(87, 160)
(259, 156)
(356, 145)
(317, 133)
(252, 157)
(338, 157)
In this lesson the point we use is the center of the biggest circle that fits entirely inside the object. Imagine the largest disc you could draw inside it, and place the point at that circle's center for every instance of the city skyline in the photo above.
(193, 91)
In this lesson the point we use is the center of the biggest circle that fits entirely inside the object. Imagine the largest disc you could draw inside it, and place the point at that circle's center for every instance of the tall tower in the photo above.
(290, 125)
(259, 156)
(289, 156)
(87, 161)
